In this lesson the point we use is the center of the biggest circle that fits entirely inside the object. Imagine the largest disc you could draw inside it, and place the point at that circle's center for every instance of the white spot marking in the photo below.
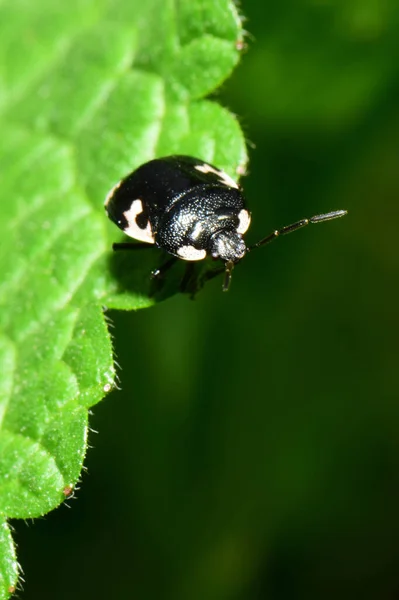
(226, 179)
(133, 230)
(191, 253)
(244, 220)
(197, 231)
(112, 192)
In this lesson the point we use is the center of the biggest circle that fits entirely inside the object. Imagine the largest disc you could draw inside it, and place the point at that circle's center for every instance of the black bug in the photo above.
(191, 209)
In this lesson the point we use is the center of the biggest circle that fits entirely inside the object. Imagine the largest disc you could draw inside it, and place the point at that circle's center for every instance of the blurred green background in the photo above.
(253, 452)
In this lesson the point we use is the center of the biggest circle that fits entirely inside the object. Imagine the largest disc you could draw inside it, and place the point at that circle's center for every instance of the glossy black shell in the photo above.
(185, 201)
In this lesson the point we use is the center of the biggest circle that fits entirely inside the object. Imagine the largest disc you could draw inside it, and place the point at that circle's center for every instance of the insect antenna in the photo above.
(336, 214)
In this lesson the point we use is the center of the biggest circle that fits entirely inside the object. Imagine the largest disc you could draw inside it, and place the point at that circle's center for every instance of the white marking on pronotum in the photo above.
(226, 179)
(112, 192)
(197, 231)
(244, 220)
(133, 230)
(191, 253)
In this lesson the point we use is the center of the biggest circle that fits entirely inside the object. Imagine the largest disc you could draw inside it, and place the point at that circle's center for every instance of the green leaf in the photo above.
(8, 561)
(87, 93)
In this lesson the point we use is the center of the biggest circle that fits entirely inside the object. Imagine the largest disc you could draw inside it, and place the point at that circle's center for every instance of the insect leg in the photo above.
(160, 272)
(186, 284)
(131, 245)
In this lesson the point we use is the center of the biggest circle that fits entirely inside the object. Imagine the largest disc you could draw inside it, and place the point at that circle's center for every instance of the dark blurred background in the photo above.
(253, 452)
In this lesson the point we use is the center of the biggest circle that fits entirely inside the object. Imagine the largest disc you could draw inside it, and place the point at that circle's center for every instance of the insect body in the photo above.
(189, 208)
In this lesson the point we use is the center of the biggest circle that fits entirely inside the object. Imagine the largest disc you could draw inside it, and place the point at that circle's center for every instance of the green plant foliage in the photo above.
(8, 562)
(320, 64)
(88, 91)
